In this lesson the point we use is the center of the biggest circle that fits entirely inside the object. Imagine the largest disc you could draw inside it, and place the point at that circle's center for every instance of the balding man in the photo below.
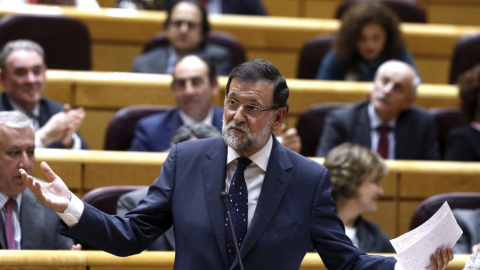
(388, 124)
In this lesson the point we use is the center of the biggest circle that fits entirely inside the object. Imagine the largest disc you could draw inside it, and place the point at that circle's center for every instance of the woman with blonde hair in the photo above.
(355, 174)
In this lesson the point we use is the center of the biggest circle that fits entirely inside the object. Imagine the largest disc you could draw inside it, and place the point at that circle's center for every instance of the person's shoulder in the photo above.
(419, 112)
(157, 118)
(51, 103)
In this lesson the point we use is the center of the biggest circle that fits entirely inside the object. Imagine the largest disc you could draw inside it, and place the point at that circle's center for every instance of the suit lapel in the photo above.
(214, 182)
(402, 146)
(31, 227)
(3, 243)
(274, 187)
(361, 134)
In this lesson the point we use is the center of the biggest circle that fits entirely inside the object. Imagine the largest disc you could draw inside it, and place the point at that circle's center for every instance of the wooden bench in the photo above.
(406, 185)
(147, 260)
(103, 93)
(118, 36)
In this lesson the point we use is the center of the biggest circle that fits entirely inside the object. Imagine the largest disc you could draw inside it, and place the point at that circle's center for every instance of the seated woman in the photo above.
(463, 143)
(368, 36)
(355, 174)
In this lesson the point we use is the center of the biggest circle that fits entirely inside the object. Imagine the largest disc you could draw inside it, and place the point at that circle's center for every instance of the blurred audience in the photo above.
(25, 223)
(243, 7)
(469, 222)
(368, 36)
(186, 27)
(23, 76)
(387, 124)
(355, 174)
(90, 5)
(463, 143)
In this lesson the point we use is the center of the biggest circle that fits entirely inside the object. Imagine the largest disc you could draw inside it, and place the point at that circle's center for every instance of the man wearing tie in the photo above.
(279, 201)
(22, 73)
(25, 223)
(387, 124)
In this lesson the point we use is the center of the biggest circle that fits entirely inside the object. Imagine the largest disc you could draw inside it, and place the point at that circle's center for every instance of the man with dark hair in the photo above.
(22, 73)
(187, 27)
(281, 199)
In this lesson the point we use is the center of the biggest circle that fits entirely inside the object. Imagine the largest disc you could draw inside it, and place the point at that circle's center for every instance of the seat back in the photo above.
(65, 40)
(312, 54)
(310, 126)
(121, 128)
(459, 200)
(465, 56)
(105, 198)
(446, 119)
(223, 39)
(406, 10)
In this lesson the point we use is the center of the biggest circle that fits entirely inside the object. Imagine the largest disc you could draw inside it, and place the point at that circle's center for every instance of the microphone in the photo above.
(224, 199)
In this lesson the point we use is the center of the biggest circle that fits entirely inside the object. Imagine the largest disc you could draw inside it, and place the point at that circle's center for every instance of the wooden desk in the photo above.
(118, 36)
(103, 93)
(147, 260)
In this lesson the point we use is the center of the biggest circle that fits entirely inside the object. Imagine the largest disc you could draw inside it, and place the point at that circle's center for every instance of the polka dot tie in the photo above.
(238, 207)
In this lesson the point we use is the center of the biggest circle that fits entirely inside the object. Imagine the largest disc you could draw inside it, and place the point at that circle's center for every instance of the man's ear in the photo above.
(279, 117)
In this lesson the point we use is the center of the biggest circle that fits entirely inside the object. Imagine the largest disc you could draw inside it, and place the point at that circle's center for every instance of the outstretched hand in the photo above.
(440, 260)
(54, 194)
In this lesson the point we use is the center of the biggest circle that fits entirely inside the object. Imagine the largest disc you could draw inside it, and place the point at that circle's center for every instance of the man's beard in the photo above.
(246, 142)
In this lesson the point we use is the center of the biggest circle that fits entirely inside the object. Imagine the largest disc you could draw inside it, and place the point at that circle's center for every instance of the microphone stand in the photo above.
(224, 199)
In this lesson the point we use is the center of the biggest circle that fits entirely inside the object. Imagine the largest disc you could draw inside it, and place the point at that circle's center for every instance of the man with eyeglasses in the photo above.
(279, 200)
(186, 27)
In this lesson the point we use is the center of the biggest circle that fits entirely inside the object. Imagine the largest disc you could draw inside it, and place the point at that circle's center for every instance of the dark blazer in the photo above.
(415, 132)
(295, 208)
(156, 60)
(154, 133)
(130, 200)
(39, 226)
(48, 108)
(469, 222)
(463, 144)
(371, 239)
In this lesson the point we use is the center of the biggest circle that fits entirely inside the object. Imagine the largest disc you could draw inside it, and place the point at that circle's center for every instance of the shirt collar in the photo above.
(260, 158)
(187, 120)
(16, 107)
(375, 120)
(4, 199)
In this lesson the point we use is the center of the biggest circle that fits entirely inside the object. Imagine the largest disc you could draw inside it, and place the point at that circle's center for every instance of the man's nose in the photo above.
(239, 115)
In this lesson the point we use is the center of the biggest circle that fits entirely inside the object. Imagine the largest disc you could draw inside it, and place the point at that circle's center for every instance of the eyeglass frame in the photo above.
(248, 105)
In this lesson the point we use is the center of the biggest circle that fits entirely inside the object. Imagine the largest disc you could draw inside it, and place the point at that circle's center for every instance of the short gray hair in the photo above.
(19, 44)
(15, 119)
(199, 131)
(416, 78)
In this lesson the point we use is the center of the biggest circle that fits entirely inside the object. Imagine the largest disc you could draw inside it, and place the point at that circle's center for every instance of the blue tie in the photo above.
(238, 207)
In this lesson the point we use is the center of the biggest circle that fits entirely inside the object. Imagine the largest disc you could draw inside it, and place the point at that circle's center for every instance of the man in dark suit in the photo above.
(284, 201)
(410, 131)
(34, 225)
(22, 73)
(186, 26)
(469, 222)
(194, 86)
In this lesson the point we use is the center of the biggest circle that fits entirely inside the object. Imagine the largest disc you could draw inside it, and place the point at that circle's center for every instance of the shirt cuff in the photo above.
(38, 141)
(74, 211)
(77, 142)
(398, 266)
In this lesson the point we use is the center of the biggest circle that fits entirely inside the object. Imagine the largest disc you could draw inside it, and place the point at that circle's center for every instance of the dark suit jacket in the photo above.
(371, 239)
(48, 108)
(129, 201)
(415, 132)
(463, 144)
(39, 226)
(295, 208)
(156, 60)
(469, 222)
(154, 133)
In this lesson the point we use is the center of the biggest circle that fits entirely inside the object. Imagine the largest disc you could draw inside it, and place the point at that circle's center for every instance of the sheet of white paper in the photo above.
(415, 247)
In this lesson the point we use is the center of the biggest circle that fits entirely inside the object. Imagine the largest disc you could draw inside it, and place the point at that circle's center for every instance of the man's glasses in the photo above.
(249, 109)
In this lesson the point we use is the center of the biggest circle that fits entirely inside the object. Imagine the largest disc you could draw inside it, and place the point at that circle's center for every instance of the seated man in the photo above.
(194, 86)
(22, 73)
(27, 223)
(130, 200)
(387, 124)
(187, 26)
